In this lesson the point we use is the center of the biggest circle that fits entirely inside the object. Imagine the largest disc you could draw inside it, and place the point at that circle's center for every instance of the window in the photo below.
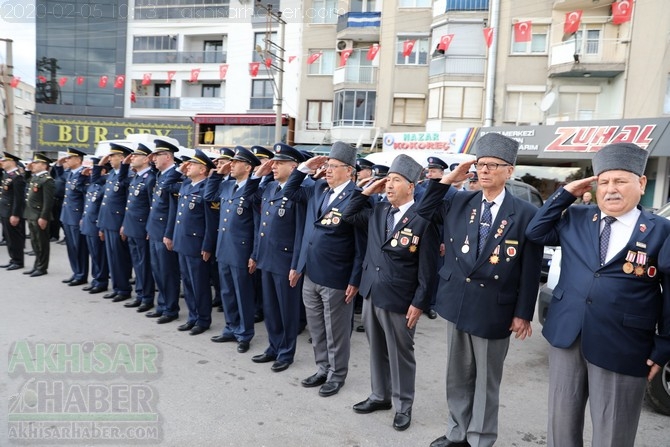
(181, 9)
(324, 65)
(577, 106)
(523, 107)
(537, 45)
(211, 90)
(262, 41)
(587, 41)
(18, 93)
(419, 55)
(462, 102)
(323, 11)
(408, 110)
(319, 115)
(364, 6)
(355, 108)
(213, 50)
(262, 94)
(153, 43)
(415, 3)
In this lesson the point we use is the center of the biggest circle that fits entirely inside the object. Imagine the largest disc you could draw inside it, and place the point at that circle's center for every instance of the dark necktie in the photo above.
(485, 225)
(390, 221)
(605, 238)
(326, 200)
(277, 189)
(235, 188)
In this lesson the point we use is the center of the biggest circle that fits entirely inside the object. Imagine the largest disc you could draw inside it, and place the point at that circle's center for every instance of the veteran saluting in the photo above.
(39, 201)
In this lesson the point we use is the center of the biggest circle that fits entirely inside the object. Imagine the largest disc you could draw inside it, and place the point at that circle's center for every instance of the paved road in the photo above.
(209, 395)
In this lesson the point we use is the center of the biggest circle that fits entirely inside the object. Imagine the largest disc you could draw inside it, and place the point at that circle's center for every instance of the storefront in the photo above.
(229, 130)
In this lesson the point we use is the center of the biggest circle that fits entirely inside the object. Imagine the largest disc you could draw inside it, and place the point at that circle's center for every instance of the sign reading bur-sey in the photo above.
(55, 132)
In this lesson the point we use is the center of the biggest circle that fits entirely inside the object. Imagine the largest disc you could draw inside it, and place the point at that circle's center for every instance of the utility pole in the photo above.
(277, 53)
(9, 95)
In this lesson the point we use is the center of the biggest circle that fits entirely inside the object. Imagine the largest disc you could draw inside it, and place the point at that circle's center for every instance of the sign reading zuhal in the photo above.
(88, 392)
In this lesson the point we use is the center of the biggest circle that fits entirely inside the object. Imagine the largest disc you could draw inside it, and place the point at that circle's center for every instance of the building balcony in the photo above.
(457, 65)
(179, 57)
(355, 74)
(573, 5)
(173, 103)
(353, 132)
(604, 58)
(467, 5)
(359, 26)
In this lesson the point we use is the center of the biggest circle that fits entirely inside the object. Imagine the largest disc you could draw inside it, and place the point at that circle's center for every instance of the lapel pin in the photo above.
(643, 228)
(595, 217)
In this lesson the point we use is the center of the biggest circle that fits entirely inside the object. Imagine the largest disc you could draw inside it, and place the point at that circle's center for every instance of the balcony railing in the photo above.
(355, 74)
(353, 123)
(602, 51)
(457, 65)
(155, 102)
(185, 103)
(179, 57)
(359, 20)
(467, 5)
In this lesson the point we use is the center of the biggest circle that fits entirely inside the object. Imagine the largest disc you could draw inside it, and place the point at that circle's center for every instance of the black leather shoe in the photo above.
(279, 366)
(314, 380)
(401, 421)
(29, 272)
(360, 328)
(223, 338)
(118, 298)
(442, 441)
(197, 330)
(242, 346)
(14, 267)
(369, 406)
(109, 295)
(166, 319)
(263, 358)
(77, 282)
(69, 280)
(219, 309)
(4, 266)
(432, 314)
(135, 303)
(38, 273)
(153, 314)
(186, 327)
(30, 253)
(87, 288)
(94, 290)
(145, 307)
(330, 388)
(258, 318)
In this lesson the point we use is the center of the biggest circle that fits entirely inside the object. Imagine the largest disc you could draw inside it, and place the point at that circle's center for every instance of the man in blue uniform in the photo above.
(194, 241)
(488, 285)
(12, 203)
(71, 212)
(331, 258)
(237, 226)
(277, 246)
(110, 218)
(89, 228)
(609, 320)
(398, 268)
(134, 227)
(160, 228)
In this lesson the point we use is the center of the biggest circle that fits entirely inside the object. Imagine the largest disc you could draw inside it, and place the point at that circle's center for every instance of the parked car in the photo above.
(658, 390)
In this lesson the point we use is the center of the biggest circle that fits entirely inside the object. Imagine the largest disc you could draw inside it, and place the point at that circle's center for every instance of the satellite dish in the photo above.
(548, 101)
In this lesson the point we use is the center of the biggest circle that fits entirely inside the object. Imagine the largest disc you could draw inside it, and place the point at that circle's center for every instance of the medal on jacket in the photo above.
(281, 211)
(473, 214)
(628, 265)
(240, 208)
(327, 218)
(336, 216)
(641, 262)
(415, 243)
(495, 258)
(466, 245)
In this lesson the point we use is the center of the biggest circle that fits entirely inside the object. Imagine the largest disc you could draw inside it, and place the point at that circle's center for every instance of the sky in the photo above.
(22, 32)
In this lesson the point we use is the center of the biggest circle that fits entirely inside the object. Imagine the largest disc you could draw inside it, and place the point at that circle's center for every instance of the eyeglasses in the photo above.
(158, 154)
(333, 166)
(490, 166)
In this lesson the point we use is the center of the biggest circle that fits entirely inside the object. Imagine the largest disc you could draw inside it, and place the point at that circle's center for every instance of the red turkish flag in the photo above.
(118, 82)
(488, 36)
(444, 42)
(146, 79)
(268, 62)
(170, 76)
(572, 21)
(195, 72)
(223, 70)
(80, 80)
(42, 79)
(62, 81)
(313, 58)
(14, 82)
(372, 52)
(253, 68)
(408, 47)
(344, 56)
(102, 83)
(291, 59)
(523, 31)
(622, 12)
(133, 98)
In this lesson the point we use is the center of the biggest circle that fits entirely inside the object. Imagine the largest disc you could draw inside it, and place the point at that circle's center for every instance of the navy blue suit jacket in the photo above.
(89, 219)
(161, 220)
(617, 314)
(140, 192)
(195, 216)
(113, 205)
(476, 293)
(73, 203)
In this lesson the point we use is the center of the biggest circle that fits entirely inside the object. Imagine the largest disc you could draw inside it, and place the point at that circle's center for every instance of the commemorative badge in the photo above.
(394, 242)
(628, 265)
(651, 271)
(643, 228)
(500, 229)
(641, 263)
(404, 241)
(495, 258)
(137, 192)
(595, 217)
(511, 248)
(240, 210)
(640, 245)
(336, 220)
(466, 245)
(116, 188)
(473, 214)
(281, 212)
(191, 205)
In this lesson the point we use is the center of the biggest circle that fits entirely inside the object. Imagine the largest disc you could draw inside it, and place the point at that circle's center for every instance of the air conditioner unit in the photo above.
(345, 44)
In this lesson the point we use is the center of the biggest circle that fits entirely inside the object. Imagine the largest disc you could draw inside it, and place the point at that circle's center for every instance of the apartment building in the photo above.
(23, 105)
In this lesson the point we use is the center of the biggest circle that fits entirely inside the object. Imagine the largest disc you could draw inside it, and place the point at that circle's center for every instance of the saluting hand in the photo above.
(315, 163)
(264, 169)
(103, 161)
(578, 187)
(377, 187)
(460, 174)
(224, 169)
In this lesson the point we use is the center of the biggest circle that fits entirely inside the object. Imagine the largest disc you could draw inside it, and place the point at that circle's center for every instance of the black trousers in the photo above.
(16, 239)
(39, 239)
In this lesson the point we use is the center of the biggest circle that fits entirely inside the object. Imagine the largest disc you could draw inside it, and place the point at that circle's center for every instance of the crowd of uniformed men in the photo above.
(298, 239)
